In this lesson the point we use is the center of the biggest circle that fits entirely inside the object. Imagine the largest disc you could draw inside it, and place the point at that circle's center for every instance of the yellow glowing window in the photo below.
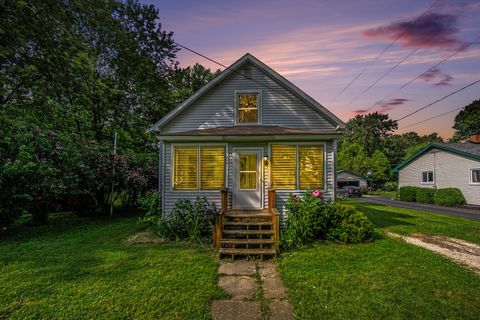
(247, 108)
(283, 167)
(310, 167)
(248, 171)
(185, 168)
(212, 172)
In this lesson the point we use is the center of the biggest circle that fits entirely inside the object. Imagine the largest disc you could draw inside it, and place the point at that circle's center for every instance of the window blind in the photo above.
(212, 167)
(283, 168)
(311, 167)
(185, 168)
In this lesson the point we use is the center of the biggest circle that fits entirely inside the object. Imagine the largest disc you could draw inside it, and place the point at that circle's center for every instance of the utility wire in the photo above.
(461, 49)
(222, 65)
(431, 118)
(438, 100)
(381, 53)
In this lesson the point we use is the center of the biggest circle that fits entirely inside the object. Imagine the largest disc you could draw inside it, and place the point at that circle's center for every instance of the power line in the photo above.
(462, 48)
(222, 65)
(381, 53)
(431, 118)
(438, 100)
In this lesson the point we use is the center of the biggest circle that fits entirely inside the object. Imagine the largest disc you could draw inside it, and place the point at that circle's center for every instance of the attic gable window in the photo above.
(248, 106)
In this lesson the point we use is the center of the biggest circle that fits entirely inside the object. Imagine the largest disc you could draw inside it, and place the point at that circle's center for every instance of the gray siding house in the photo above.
(247, 131)
(452, 165)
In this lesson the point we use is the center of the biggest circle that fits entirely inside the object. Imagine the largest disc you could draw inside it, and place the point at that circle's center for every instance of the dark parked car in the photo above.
(349, 191)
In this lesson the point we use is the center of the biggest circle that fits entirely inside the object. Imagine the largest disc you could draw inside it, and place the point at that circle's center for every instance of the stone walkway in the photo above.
(256, 290)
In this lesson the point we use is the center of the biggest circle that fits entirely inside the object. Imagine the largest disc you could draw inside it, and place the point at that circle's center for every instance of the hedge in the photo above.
(408, 193)
(425, 195)
(450, 197)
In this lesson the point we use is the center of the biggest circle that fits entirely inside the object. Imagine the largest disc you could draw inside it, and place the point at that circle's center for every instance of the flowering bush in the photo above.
(310, 219)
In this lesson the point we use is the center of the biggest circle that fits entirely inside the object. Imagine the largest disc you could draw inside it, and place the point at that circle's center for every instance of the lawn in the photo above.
(387, 194)
(83, 269)
(386, 278)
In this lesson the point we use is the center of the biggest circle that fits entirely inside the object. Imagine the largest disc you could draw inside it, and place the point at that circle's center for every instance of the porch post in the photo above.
(271, 198)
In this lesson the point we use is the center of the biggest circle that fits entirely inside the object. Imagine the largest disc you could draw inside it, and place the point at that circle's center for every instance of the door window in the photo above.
(248, 171)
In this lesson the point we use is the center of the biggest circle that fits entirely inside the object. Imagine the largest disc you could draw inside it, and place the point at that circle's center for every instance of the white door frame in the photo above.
(236, 174)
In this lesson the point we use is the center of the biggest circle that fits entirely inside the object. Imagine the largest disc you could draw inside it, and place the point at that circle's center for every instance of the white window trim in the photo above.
(297, 171)
(258, 93)
(199, 180)
(427, 182)
(470, 171)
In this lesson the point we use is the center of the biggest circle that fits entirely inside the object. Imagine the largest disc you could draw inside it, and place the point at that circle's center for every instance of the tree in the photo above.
(396, 146)
(368, 131)
(186, 81)
(354, 158)
(467, 121)
(380, 166)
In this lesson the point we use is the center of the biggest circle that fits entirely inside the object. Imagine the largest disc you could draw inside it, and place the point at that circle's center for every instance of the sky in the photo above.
(323, 46)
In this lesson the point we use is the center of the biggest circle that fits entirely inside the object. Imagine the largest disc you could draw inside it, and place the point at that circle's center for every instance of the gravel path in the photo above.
(463, 252)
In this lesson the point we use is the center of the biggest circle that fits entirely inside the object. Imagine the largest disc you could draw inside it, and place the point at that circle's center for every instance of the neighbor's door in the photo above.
(248, 179)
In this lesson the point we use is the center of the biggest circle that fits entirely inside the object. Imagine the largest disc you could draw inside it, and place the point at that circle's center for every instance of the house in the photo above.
(347, 178)
(251, 133)
(447, 165)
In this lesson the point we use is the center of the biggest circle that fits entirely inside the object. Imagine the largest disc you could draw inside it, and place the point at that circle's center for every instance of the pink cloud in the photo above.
(432, 30)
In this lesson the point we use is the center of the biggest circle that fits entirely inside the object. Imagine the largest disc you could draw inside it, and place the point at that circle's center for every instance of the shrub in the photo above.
(425, 195)
(187, 220)
(390, 186)
(450, 197)
(408, 193)
(350, 225)
(310, 219)
(150, 204)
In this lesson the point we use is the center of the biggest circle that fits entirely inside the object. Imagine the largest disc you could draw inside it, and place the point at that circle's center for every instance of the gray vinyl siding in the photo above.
(170, 196)
(450, 171)
(279, 106)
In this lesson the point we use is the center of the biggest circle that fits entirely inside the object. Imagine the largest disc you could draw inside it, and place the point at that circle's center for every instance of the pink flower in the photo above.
(317, 193)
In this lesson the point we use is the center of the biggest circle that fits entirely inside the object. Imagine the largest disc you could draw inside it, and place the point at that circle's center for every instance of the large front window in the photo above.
(247, 107)
(198, 167)
(297, 166)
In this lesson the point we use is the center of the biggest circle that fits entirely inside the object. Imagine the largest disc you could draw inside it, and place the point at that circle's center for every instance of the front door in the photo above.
(248, 179)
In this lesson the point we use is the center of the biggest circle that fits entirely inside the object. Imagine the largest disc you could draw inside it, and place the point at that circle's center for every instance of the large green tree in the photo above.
(354, 158)
(368, 131)
(467, 121)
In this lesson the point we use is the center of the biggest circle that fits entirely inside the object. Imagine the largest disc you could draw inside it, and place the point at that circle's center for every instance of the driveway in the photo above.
(459, 212)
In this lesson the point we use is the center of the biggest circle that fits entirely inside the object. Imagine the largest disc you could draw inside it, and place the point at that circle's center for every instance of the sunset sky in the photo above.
(321, 46)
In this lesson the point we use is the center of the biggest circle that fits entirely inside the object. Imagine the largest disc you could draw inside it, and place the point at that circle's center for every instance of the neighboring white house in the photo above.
(347, 178)
(452, 165)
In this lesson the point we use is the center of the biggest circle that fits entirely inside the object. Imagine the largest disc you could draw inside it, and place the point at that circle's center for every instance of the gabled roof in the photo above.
(352, 173)
(466, 150)
(233, 69)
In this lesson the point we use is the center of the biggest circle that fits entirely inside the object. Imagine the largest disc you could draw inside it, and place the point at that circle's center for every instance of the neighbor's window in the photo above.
(297, 167)
(248, 105)
(186, 171)
(475, 176)
(427, 176)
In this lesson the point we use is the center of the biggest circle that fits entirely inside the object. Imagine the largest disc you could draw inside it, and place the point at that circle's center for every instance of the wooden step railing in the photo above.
(275, 217)
(219, 218)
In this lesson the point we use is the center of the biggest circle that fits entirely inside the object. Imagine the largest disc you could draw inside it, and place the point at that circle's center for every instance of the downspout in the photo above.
(334, 187)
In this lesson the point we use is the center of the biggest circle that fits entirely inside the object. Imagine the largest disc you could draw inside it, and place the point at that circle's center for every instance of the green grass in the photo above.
(387, 194)
(406, 221)
(83, 269)
(387, 278)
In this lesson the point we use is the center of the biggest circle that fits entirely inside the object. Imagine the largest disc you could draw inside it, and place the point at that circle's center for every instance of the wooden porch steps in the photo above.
(246, 233)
